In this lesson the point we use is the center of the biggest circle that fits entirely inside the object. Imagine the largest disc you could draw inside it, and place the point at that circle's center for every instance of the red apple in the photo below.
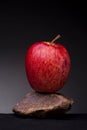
(47, 66)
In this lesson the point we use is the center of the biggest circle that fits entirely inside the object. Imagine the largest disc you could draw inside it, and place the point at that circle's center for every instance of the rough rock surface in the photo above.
(43, 105)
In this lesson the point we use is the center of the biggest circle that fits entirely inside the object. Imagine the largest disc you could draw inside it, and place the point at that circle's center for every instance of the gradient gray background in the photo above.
(22, 24)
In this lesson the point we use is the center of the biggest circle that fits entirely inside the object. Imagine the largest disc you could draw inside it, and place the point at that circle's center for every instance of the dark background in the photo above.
(22, 24)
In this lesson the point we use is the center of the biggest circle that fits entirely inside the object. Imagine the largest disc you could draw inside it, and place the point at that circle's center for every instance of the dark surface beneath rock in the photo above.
(43, 105)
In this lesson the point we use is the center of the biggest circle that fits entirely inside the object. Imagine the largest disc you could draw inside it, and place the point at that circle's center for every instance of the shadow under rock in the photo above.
(76, 116)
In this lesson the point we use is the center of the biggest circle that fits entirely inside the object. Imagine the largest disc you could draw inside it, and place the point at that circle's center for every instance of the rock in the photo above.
(43, 105)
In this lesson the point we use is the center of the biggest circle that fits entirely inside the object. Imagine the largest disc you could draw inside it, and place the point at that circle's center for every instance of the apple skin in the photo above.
(47, 66)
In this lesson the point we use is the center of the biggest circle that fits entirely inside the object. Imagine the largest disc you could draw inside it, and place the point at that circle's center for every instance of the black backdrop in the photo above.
(22, 24)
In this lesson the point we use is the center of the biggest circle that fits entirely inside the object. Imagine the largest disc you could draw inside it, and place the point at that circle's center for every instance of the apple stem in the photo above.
(56, 38)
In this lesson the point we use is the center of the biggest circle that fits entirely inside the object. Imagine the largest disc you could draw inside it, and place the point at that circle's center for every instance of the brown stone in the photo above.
(43, 105)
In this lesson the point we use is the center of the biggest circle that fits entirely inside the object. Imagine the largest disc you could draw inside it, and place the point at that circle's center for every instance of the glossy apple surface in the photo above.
(47, 66)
